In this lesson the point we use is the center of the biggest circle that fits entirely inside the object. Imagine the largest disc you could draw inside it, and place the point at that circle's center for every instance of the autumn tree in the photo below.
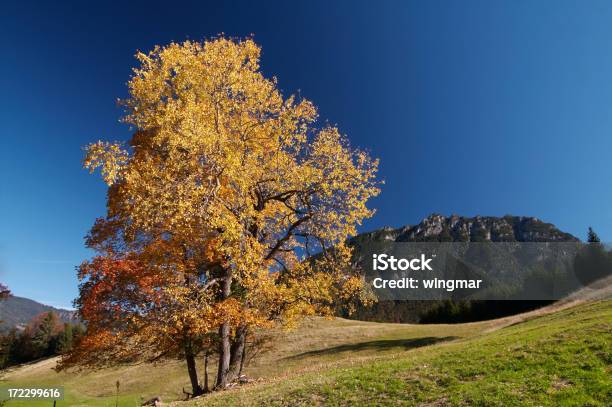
(228, 211)
(140, 308)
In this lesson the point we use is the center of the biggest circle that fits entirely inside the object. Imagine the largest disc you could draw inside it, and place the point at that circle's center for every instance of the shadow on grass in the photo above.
(376, 345)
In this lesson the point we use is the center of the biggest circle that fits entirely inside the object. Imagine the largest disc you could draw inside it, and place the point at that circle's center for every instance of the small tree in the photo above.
(7, 348)
(6, 341)
(65, 339)
(4, 293)
(592, 236)
(593, 261)
(44, 330)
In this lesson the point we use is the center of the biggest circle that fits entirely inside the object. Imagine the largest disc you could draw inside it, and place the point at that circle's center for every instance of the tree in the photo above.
(4, 293)
(44, 330)
(226, 188)
(593, 261)
(592, 236)
(7, 348)
(65, 339)
(135, 313)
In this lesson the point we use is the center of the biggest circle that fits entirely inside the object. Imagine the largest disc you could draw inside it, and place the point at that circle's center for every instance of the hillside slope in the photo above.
(557, 354)
(564, 358)
(316, 344)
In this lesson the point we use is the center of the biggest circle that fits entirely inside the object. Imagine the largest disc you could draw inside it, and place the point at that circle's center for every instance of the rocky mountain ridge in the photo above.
(456, 228)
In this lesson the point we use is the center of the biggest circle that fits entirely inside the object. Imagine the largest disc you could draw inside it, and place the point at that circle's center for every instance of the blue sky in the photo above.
(487, 108)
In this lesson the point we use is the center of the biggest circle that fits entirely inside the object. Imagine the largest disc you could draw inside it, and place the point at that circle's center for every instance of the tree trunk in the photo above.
(224, 333)
(206, 388)
(243, 358)
(193, 372)
(224, 356)
(237, 352)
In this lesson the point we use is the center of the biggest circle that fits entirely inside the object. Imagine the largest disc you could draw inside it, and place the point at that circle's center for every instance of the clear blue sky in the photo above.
(487, 108)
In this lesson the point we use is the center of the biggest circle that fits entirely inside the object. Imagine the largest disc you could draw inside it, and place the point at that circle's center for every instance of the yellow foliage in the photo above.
(228, 181)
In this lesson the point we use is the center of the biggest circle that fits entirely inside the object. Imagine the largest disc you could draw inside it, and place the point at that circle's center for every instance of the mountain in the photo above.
(454, 228)
(16, 312)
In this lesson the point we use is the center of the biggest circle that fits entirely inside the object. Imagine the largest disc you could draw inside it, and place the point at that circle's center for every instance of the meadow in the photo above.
(560, 355)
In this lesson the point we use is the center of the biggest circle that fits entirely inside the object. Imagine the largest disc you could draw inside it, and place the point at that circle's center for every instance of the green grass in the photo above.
(563, 358)
(560, 359)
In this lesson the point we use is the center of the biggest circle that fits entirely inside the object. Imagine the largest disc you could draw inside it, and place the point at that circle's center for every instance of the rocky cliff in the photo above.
(454, 228)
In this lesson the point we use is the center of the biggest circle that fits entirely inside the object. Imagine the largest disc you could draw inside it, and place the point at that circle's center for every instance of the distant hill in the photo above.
(16, 312)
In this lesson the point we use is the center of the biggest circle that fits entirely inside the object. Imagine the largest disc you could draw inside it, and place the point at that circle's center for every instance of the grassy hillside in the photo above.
(549, 359)
(339, 337)
(564, 358)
